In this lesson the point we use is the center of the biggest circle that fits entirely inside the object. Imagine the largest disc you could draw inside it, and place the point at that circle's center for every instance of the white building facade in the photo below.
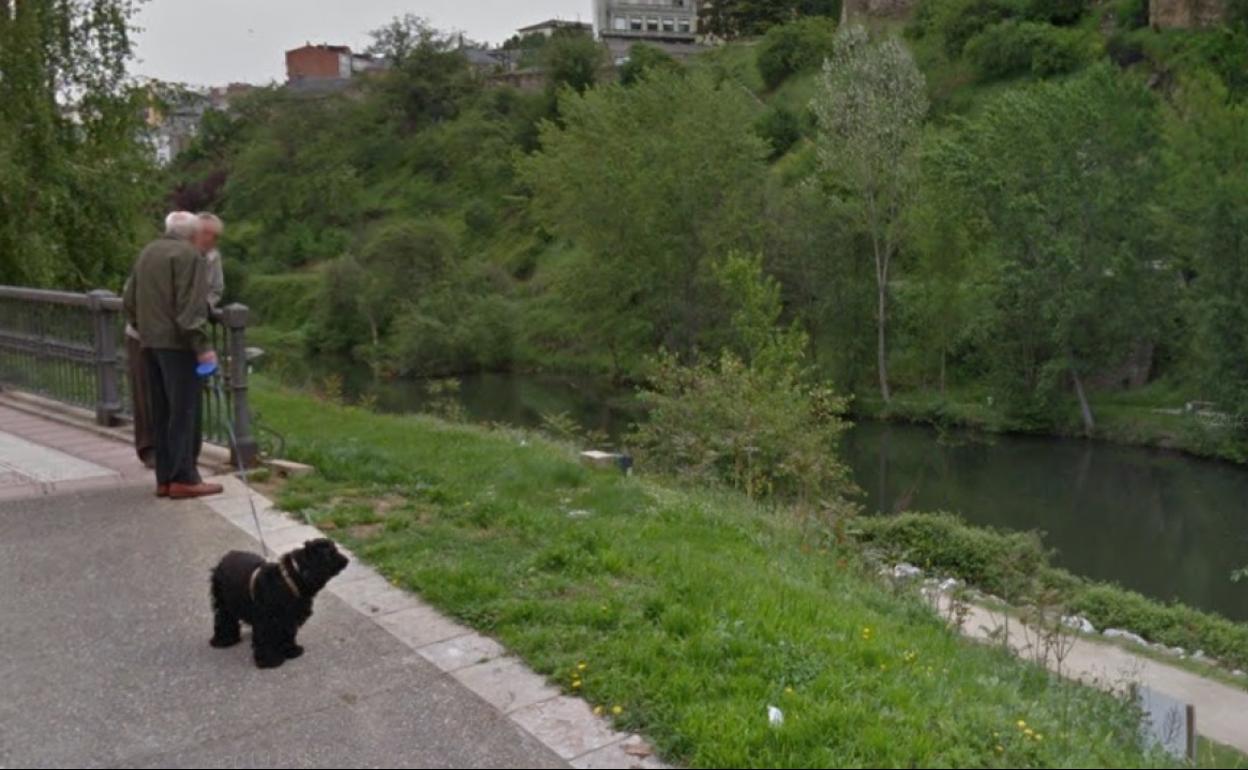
(668, 24)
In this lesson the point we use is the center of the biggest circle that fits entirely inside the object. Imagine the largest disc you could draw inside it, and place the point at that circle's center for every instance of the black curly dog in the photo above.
(275, 599)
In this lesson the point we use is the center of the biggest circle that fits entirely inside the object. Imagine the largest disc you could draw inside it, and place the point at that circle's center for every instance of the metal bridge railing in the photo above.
(69, 347)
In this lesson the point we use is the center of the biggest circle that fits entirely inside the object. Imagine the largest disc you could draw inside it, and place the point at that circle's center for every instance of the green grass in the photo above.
(691, 610)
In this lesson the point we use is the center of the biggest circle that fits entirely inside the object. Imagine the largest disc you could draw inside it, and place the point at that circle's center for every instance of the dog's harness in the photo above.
(284, 571)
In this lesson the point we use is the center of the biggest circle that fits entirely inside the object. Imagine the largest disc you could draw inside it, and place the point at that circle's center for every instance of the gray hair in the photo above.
(211, 219)
(182, 224)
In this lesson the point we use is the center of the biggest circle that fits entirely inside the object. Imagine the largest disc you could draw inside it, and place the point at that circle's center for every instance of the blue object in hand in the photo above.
(206, 370)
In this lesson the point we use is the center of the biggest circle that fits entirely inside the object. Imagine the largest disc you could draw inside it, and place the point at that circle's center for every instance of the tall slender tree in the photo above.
(871, 105)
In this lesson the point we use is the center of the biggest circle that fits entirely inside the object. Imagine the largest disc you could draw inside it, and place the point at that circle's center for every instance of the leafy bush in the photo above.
(643, 58)
(748, 418)
(781, 128)
(960, 20)
(1108, 606)
(798, 46)
(993, 560)
(1014, 48)
(1131, 14)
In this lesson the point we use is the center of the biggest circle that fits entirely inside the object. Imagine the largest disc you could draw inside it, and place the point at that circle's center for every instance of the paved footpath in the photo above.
(104, 656)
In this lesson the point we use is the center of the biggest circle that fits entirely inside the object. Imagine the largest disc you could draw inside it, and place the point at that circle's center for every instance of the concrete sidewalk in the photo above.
(104, 658)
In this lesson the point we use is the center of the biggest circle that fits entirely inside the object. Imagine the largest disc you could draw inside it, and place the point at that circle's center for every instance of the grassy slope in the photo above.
(691, 610)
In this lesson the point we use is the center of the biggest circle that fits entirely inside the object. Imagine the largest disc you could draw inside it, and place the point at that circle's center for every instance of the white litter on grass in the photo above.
(949, 584)
(775, 717)
(579, 514)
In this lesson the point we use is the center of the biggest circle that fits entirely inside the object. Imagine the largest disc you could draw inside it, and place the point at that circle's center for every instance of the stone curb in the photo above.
(565, 725)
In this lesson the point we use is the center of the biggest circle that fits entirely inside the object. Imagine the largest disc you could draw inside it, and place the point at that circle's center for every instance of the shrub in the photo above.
(960, 20)
(747, 418)
(798, 46)
(643, 58)
(1015, 48)
(781, 128)
(996, 561)
(1175, 625)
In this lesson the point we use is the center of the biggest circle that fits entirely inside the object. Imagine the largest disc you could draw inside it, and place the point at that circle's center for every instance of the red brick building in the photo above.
(318, 62)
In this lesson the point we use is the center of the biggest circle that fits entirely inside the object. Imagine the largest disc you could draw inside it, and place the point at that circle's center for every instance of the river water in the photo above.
(1162, 523)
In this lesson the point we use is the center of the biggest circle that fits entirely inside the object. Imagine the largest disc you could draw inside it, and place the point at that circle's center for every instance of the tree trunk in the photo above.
(882, 347)
(1089, 424)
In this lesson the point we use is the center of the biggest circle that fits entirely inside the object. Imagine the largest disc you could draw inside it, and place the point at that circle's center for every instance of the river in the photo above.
(1162, 523)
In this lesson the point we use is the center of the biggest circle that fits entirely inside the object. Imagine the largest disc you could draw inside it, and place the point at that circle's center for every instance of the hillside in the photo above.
(406, 225)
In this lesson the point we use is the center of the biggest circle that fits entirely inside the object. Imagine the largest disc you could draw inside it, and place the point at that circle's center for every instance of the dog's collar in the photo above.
(284, 571)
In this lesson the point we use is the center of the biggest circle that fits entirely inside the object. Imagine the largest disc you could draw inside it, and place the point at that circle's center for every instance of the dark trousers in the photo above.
(141, 402)
(174, 390)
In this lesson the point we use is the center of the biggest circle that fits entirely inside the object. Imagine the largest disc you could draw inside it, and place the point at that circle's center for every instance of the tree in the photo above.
(74, 169)
(572, 59)
(1206, 159)
(1058, 178)
(798, 46)
(871, 106)
(649, 184)
(429, 77)
(643, 58)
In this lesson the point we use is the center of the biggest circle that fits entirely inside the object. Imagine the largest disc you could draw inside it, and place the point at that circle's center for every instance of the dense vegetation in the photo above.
(74, 180)
(1050, 212)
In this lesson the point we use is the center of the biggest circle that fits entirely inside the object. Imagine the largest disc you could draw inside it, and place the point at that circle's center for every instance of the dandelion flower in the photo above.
(1022, 725)
(576, 685)
(617, 710)
(582, 666)
(599, 711)
(1039, 737)
(1000, 749)
(788, 690)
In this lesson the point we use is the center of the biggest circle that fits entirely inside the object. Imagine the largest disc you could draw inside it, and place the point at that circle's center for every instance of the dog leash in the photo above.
(210, 372)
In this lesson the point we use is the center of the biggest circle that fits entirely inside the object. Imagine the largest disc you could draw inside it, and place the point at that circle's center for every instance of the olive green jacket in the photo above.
(166, 297)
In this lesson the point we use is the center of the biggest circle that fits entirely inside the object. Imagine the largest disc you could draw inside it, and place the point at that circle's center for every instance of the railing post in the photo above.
(104, 323)
(235, 319)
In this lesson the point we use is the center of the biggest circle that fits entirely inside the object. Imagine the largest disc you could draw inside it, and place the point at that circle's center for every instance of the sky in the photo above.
(214, 42)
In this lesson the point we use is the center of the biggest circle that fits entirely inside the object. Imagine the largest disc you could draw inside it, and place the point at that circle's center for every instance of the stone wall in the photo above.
(1185, 14)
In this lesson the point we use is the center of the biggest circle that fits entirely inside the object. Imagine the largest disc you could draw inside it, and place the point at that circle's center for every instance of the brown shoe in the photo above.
(162, 490)
(187, 491)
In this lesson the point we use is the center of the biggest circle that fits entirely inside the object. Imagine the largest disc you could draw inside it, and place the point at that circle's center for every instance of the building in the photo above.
(671, 25)
(551, 27)
(1187, 14)
(325, 67)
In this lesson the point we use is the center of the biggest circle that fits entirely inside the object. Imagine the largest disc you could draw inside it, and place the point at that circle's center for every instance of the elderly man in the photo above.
(166, 300)
(210, 229)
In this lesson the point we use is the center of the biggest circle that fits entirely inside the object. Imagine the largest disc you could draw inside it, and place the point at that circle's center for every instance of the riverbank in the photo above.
(1150, 417)
(691, 611)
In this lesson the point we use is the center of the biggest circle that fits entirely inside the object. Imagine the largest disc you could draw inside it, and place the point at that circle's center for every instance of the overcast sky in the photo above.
(213, 42)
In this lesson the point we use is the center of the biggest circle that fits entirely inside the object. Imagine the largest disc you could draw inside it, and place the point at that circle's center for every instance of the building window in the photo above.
(685, 26)
(669, 24)
(635, 23)
(652, 23)
(620, 23)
